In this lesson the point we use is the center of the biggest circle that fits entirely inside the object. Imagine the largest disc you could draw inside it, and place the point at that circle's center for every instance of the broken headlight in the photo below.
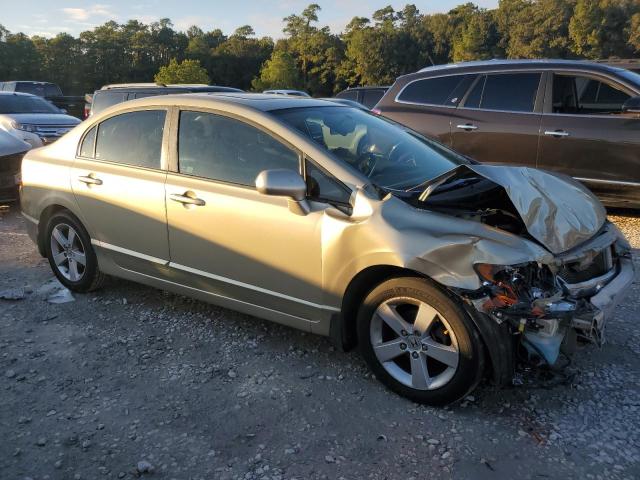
(515, 285)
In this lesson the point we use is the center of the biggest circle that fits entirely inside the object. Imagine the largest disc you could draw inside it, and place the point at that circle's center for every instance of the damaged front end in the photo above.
(550, 306)
(551, 302)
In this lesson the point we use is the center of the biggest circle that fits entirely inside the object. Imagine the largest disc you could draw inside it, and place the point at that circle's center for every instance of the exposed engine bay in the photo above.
(548, 306)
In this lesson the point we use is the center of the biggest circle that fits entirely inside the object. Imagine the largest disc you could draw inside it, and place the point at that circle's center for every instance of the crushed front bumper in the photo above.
(612, 294)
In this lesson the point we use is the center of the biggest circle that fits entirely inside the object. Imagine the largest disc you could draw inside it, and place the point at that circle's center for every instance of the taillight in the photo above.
(86, 112)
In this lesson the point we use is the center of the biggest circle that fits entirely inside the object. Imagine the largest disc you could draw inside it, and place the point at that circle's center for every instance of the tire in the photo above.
(436, 366)
(66, 258)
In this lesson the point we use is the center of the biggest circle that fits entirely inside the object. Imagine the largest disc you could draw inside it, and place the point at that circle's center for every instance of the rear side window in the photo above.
(437, 91)
(514, 92)
(372, 97)
(222, 148)
(133, 138)
(103, 100)
(89, 141)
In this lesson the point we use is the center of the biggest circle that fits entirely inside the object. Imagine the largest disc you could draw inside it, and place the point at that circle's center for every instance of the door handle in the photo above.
(467, 126)
(557, 133)
(188, 198)
(90, 179)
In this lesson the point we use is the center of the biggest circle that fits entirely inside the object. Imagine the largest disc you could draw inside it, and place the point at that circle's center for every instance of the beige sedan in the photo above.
(335, 221)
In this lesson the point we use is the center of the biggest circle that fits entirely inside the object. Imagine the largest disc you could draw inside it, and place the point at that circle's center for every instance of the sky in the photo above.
(47, 18)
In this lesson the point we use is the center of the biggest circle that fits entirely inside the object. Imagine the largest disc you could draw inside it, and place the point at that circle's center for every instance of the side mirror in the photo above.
(64, 110)
(285, 183)
(632, 105)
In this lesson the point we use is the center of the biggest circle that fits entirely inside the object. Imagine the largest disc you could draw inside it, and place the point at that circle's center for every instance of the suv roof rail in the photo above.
(132, 85)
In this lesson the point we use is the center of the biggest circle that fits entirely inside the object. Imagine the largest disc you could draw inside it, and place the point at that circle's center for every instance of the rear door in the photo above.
(586, 135)
(118, 181)
(498, 121)
(427, 104)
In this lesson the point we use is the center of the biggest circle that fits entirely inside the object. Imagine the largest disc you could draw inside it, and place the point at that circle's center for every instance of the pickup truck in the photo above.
(73, 105)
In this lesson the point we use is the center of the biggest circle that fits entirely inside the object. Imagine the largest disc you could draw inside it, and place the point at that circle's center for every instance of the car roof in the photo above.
(254, 101)
(507, 64)
(146, 87)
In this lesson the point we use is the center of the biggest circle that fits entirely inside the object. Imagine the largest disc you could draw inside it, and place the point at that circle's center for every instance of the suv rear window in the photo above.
(437, 91)
(514, 92)
(103, 100)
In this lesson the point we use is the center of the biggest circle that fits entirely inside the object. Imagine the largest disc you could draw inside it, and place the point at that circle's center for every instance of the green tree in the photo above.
(476, 38)
(280, 71)
(634, 33)
(187, 71)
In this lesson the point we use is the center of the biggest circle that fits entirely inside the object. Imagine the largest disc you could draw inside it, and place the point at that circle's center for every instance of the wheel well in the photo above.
(358, 288)
(46, 214)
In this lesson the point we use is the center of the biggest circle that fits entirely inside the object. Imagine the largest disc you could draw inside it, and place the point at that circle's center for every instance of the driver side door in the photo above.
(247, 249)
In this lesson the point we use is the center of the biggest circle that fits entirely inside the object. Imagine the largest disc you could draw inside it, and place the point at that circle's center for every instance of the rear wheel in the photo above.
(419, 342)
(70, 254)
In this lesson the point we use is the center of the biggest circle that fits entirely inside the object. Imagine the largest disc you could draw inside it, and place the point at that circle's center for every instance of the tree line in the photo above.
(371, 50)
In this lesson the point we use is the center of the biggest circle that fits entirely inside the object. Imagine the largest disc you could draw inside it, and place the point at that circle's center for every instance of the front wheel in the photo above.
(419, 342)
(70, 254)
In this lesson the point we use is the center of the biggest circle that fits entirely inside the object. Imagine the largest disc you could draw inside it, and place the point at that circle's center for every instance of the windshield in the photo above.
(25, 104)
(391, 156)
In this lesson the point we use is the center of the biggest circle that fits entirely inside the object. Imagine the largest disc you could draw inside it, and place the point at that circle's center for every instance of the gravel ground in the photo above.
(134, 382)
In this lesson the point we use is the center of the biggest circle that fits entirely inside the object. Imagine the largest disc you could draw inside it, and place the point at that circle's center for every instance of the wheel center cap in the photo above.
(413, 342)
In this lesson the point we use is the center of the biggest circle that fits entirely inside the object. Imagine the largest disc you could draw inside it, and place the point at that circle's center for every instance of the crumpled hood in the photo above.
(557, 211)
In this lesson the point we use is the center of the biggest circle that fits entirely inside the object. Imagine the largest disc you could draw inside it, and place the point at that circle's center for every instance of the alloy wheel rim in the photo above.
(414, 343)
(68, 252)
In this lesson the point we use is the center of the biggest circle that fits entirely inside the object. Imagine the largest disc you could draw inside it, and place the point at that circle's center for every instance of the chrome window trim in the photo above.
(611, 182)
(212, 276)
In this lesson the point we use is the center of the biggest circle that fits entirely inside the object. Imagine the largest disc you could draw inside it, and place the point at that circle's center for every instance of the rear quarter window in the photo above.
(446, 90)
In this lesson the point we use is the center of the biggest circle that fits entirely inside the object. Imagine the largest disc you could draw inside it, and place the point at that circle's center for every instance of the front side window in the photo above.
(133, 138)
(323, 187)
(437, 91)
(225, 149)
(513, 92)
(390, 155)
(580, 95)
